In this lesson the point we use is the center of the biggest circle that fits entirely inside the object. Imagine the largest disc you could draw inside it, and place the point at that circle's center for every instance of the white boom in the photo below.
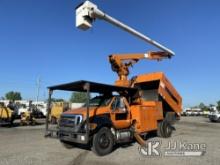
(87, 12)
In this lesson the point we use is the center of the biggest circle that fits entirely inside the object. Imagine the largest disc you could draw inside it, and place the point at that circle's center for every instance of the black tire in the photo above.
(211, 120)
(164, 129)
(12, 121)
(167, 129)
(103, 142)
(160, 129)
(33, 122)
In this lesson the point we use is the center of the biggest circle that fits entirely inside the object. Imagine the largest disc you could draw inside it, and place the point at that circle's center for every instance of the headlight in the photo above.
(92, 126)
(78, 119)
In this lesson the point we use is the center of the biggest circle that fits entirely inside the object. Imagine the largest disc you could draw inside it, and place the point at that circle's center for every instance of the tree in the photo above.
(57, 100)
(202, 106)
(78, 97)
(13, 95)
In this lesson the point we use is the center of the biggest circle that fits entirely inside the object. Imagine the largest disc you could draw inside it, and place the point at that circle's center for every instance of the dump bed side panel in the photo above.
(172, 91)
(146, 116)
(170, 98)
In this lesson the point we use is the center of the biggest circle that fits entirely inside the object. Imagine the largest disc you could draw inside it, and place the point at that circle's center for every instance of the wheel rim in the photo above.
(104, 141)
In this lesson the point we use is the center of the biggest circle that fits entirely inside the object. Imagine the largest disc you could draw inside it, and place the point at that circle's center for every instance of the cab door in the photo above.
(120, 113)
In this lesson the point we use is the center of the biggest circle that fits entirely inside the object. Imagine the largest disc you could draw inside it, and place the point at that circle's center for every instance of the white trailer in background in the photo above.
(196, 111)
(24, 106)
(41, 107)
(5, 102)
(192, 112)
(76, 105)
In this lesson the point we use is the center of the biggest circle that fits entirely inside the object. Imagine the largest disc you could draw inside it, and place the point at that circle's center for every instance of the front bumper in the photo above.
(213, 117)
(70, 129)
(70, 136)
(81, 138)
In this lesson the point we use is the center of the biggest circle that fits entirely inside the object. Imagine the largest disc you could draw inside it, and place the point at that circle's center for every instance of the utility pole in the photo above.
(38, 89)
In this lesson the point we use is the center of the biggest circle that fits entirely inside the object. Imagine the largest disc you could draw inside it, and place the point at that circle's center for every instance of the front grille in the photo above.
(70, 120)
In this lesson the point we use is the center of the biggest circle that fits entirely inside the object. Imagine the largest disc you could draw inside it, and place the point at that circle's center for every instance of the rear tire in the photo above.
(164, 129)
(159, 129)
(167, 129)
(103, 142)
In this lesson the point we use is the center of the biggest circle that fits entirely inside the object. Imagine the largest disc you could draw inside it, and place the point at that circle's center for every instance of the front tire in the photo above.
(103, 142)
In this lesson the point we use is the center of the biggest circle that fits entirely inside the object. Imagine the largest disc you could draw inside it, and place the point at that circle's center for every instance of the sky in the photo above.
(38, 39)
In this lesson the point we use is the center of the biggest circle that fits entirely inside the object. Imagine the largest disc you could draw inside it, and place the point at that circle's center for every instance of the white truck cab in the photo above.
(214, 116)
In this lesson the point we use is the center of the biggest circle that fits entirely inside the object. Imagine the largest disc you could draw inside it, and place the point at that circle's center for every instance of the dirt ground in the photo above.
(26, 145)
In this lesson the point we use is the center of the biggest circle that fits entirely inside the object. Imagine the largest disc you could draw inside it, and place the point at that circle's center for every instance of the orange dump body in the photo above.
(156, 97)
(158, 88)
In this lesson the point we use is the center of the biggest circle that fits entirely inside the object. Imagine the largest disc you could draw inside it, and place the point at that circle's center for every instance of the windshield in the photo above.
(99, 101)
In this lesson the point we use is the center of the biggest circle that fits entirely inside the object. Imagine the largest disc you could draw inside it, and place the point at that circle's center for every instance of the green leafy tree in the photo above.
(78, 97)
(202, 106)
(57, 100)
(12, 95)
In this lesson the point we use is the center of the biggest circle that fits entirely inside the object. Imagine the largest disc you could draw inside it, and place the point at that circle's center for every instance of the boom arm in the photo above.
(121, 63)
(87, 12)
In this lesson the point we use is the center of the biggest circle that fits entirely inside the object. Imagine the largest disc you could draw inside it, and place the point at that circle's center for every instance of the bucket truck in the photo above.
(127, 110)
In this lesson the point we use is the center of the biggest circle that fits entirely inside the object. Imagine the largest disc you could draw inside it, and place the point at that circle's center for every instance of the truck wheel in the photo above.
(12, 122)
(160, 129)
(164, 129)
(167, 129)
(211, 120)
(103, 142)
(33, 122)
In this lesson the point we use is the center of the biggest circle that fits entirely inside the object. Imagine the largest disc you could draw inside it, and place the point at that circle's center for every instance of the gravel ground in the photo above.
(26, 145)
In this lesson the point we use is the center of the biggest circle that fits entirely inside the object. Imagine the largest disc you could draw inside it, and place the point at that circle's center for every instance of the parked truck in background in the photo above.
(7, 115)
(214, 115)
(57, 108)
